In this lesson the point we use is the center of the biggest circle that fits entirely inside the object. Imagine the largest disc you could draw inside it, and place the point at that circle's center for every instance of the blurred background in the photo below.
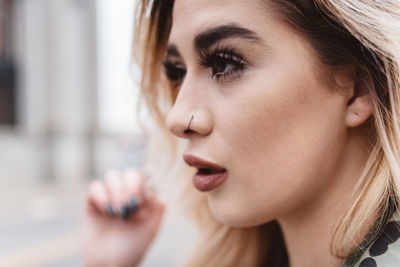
(67, 113)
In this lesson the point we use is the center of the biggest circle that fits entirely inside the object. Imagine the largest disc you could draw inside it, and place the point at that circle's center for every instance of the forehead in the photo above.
(191, 17)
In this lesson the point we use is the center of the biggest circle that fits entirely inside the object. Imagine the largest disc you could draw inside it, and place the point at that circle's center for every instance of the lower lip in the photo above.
(207, 182)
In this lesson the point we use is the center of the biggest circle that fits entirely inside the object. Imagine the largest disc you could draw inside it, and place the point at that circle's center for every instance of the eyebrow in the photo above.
(211, 36)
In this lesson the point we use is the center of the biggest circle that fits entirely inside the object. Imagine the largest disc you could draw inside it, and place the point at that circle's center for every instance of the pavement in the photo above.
(40, 227)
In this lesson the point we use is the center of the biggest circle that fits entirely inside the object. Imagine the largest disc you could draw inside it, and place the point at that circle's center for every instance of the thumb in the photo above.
(158, 209)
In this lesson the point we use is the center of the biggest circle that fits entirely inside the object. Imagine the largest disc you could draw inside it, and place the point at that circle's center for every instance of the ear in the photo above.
(359, 107)
(357, 85)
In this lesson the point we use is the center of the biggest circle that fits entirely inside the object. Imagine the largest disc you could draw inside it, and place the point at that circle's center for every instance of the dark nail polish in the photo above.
(110, 210)
(124, 212)
(133, 204)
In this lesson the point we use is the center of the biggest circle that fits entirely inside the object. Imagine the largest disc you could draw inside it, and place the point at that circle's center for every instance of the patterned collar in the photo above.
(381, 246)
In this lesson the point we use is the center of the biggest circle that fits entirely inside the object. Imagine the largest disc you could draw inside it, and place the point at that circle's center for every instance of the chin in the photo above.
(235, 216)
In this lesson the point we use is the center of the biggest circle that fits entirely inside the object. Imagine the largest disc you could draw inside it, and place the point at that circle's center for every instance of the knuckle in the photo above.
(134, 179)
(132, 175)
(94, 186)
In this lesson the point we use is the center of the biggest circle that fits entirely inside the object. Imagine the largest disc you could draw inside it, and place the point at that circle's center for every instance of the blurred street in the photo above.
(40, 226)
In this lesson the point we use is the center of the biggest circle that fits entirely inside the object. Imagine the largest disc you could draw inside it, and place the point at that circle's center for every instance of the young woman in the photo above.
(287, 113)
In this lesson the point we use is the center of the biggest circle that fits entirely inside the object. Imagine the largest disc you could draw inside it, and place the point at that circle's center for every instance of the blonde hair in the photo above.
(363, 33)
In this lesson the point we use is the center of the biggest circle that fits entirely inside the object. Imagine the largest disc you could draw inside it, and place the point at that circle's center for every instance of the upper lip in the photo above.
(201, 163)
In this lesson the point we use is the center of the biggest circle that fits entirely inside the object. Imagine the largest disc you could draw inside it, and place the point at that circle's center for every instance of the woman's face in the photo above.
(263, 105)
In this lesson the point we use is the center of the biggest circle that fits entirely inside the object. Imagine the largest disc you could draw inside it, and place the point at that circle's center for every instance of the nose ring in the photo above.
(188, 128)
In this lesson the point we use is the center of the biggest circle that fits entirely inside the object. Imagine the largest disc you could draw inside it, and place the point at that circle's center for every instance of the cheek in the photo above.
(282, 144)
(285, 119)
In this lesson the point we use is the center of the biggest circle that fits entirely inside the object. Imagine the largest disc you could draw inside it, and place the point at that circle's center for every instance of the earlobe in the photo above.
(358, 111)
(359, 107)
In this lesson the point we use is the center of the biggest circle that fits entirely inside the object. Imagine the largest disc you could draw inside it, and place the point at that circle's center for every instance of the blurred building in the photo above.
(48, 89)
(50, 127)
(7, 66)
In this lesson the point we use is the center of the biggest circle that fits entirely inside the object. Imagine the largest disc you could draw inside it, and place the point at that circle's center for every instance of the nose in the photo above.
(184, 123)
(190, 114)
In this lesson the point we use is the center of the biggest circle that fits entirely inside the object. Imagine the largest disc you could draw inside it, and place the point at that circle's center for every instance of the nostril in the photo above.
(188, 131)
(180, 125)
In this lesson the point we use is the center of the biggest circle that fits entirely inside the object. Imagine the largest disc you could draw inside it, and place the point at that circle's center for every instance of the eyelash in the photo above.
(217, 60)
(174, 72)
(222, 57)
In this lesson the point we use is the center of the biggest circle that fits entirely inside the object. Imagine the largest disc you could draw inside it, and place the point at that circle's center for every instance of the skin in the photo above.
(108, 240)
(285, 129)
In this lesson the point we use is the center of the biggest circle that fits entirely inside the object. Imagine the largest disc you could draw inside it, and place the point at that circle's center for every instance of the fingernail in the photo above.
(133, 204)
(110, 210)
(124, 212)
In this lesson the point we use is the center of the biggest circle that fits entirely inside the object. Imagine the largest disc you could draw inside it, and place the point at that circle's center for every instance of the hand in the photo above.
(120, 220)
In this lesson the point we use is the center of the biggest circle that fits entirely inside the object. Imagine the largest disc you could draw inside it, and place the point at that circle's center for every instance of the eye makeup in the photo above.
(225, 62)
(174, 71)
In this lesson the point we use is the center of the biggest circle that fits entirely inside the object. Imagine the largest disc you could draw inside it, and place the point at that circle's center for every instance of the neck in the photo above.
(308, 231)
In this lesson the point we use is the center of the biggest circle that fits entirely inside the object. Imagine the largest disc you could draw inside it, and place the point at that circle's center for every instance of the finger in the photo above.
(115, 190)
(159, 209)
(154, 209)
(97, 196)
(134, 184)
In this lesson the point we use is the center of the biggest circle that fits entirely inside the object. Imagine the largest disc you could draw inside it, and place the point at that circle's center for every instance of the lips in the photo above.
(209, 175)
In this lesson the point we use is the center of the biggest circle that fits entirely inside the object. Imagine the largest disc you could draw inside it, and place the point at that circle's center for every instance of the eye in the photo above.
(225, 64)
(174, 72)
